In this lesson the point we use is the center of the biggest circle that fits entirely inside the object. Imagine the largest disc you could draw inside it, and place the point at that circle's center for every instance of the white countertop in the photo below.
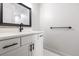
(4, 36)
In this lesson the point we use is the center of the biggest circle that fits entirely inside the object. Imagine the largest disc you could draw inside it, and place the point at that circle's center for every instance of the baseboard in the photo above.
(57, 52)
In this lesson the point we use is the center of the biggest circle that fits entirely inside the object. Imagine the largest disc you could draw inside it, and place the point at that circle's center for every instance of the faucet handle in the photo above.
(21, 24)
(21, 27)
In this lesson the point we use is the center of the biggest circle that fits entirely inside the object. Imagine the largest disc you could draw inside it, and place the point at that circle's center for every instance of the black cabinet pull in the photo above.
(7, 46)
(31, 47)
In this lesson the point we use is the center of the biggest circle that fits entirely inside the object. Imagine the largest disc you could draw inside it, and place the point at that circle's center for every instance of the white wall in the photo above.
(36, 16)
(28, 4)
(60, 14)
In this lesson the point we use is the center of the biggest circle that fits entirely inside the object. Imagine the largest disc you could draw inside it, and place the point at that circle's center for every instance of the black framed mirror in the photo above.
(13, 14)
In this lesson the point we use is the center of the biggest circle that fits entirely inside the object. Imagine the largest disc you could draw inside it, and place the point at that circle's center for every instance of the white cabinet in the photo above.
(38, 45)
(35, 43)
(9, 45)
(29, 45)
(26, 39)
(22, 51)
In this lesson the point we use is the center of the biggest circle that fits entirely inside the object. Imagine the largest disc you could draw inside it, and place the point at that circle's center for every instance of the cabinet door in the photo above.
(9, 45)
(38, 45)
(22, 51)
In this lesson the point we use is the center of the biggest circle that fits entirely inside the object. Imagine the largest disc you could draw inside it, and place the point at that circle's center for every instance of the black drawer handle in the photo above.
(7, 46)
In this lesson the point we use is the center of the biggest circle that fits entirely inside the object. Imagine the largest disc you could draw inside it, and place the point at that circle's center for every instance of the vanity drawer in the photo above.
(9, 44)
(26, 39)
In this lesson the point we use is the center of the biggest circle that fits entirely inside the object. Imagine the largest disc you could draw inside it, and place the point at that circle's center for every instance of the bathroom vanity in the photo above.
(21, 44)
(28, 43)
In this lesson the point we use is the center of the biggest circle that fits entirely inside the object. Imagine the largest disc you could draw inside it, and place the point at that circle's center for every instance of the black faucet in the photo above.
(21, 27)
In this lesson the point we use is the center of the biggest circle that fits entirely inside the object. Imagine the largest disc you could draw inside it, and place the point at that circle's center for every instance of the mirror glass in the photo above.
(14, 13)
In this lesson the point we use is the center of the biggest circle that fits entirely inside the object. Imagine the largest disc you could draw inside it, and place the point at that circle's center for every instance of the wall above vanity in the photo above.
(13, 14)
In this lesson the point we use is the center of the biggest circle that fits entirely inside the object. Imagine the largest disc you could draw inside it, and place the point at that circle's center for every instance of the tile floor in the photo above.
(48, 53)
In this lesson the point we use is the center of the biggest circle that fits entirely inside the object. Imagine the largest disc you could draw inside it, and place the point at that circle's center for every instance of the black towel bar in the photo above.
(61, 27)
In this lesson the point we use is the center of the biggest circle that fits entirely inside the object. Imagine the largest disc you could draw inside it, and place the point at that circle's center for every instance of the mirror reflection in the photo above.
(15, 14)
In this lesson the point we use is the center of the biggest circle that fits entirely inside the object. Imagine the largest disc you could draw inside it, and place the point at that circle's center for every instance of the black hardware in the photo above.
(21, 27)
(70, 27)
(61, 27)
(31, 47)
(7, 46)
